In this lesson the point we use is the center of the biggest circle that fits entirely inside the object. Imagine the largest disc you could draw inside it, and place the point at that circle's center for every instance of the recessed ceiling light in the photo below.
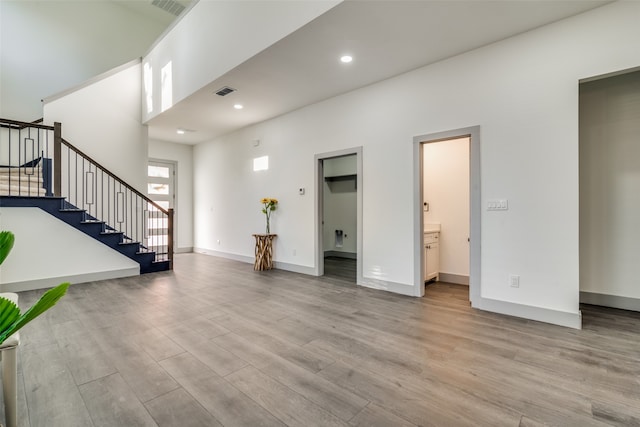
(238, 106)
(180, 131)
(346, 59)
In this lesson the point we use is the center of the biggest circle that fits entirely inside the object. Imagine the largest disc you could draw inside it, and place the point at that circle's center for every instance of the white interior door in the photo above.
(161, 189)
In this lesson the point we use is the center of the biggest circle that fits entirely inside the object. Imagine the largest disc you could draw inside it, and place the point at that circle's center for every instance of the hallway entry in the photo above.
(609, 125)
(339, 228)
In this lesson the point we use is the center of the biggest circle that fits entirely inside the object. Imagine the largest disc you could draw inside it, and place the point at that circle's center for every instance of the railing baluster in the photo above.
(10, 145)
(57, 157)
(68, 173)
(102, 192)
(170, 237)
(19, 152)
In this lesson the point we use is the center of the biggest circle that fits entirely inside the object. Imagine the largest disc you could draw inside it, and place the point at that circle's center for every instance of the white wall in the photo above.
(340, 205)
(446, 189)
(103, 120)
(183, 156)
(60, 254)
(51, 46)
(609, 183)
(207, 42)
(523, 92)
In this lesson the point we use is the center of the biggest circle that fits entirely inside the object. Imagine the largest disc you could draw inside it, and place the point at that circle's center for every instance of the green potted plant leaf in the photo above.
(11, 320)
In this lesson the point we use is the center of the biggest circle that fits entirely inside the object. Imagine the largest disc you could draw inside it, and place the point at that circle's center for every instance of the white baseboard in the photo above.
(227, 255)
(398, 288)
(250, 260)
(29, 285)
(458, 279)
(184, 250)
(294, 268)
(614, 301)
(555, 317)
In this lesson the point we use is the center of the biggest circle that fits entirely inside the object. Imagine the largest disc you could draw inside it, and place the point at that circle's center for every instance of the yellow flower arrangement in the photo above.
(270, 205)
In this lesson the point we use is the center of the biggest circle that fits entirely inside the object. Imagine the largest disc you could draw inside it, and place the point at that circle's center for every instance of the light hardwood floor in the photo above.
(216, 344)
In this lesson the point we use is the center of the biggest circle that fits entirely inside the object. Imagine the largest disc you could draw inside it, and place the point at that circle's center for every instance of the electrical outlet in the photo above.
(218, 241)
(514, 281)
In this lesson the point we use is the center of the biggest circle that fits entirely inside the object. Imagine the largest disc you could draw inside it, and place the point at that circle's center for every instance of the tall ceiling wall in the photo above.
(48, 46)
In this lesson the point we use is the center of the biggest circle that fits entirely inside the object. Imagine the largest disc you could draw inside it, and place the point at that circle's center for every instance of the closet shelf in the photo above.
(340, 178)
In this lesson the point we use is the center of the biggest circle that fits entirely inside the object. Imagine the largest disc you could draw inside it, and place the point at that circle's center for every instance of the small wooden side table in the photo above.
(264, 251)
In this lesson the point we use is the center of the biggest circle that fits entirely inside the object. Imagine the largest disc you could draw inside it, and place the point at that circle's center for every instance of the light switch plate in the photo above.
(498, 205)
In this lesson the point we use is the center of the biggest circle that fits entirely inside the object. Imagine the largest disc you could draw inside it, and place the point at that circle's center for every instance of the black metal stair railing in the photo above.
(36, 161)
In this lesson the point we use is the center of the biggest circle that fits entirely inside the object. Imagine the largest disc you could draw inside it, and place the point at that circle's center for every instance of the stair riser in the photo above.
(111, 239)
(128, 249)
(155, 267)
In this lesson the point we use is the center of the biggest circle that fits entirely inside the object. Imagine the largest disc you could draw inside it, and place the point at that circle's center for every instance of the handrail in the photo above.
(23, 125)
(114, 176)
(14, 124)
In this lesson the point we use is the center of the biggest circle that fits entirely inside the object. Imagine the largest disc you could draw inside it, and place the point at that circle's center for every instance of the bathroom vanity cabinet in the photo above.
(431, 255)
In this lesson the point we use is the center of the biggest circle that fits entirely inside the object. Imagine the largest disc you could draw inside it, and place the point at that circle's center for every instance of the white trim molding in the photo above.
(278, 265)
(555, 317)
(30, 285)
(383, 285)
(458, 279)
(614, 301)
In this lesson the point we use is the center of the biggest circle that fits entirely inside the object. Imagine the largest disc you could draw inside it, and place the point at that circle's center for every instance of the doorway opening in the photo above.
(447, 210)
(339, 215)
(609, 178)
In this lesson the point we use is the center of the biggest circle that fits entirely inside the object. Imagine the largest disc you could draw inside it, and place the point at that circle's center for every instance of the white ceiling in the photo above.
(146, 9)
(385, 38)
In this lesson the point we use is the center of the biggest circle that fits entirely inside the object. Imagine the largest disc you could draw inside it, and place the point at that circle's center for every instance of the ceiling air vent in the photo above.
(171, 6)
(225, 91)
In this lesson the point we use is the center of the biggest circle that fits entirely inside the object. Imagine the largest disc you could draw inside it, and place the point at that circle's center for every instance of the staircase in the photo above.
(83, 194)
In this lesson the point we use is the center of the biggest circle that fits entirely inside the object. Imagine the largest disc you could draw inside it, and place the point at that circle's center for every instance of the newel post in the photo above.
(170, 237)
(57, 159)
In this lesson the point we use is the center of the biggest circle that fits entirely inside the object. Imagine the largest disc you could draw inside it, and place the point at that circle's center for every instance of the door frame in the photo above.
(475, 287)
(319, 212)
